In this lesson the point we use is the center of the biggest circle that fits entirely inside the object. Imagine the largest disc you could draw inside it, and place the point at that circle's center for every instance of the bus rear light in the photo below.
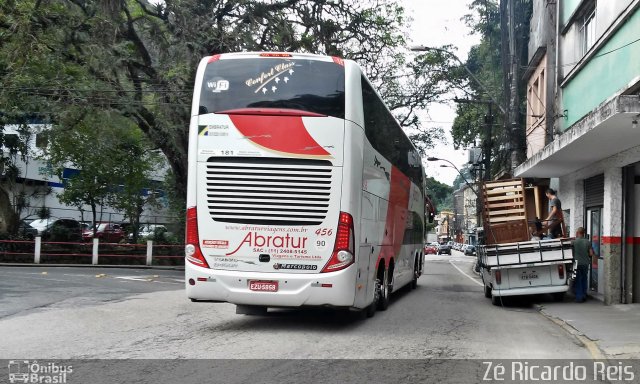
(498, 277)
(192, 250)
(270, 54)
(561, 271)
(343, 250)
(338, 60)
(213, 58)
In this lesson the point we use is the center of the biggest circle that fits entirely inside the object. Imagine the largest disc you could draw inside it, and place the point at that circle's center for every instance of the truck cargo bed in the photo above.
(526, 252)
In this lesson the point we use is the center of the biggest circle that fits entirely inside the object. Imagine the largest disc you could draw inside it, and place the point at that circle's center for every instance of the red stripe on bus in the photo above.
(279, 133)
(396, 220)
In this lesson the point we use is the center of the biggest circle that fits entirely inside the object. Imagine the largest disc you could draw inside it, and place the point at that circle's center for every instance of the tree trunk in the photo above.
(8, 217)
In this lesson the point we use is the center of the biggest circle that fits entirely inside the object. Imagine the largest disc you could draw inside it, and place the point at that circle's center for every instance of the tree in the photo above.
(82, 142)
(15, 147)
(441, 194)
(133, 188)
(489, 63)
(138, 60)
(111, 161)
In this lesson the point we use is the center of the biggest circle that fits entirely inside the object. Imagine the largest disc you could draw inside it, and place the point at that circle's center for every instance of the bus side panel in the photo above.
(352, 202)
(353, 198)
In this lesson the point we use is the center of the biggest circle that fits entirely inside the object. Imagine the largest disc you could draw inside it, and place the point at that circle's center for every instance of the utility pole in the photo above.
(510, 65)
(487, 143)
(514, 102)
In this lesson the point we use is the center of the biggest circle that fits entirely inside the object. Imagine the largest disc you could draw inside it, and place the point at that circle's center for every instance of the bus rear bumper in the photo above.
(294, 289)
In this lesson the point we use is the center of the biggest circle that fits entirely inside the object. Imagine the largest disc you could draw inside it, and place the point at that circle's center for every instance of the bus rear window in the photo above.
(281, 83)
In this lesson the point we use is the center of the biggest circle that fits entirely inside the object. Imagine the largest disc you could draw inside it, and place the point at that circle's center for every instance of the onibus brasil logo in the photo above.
(25, 371)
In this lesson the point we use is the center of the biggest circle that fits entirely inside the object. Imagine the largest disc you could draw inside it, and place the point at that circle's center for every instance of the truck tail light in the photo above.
(343, 250)
(192, 250)
(561, 271)
(498, 277)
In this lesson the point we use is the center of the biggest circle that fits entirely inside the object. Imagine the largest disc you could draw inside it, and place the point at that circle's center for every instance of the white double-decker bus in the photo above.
(303, 190)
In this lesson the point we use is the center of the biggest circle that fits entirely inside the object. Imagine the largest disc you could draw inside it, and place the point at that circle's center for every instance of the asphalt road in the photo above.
(24, 290)
(128, 313)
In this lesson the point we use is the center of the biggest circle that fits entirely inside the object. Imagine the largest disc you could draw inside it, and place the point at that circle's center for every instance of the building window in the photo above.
(588, 29)
(42, 140)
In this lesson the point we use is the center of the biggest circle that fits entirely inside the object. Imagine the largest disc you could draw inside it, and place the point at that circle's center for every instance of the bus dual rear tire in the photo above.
(382, 284)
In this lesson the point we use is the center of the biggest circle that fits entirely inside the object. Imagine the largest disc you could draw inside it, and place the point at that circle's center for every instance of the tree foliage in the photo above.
(138, 60)
(112, 164)
(441, 194)
(487, 61)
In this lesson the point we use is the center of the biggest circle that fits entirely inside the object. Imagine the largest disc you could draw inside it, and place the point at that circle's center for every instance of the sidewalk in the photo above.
(614, 329)
(129, 266)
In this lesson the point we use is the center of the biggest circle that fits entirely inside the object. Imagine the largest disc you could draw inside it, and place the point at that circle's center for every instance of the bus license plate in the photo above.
(530, 276)
(263, 286)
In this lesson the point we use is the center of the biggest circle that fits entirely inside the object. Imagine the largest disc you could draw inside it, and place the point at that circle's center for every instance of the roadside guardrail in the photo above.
(95, 252)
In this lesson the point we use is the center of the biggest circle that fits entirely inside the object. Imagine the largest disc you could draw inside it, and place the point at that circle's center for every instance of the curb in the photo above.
(590, 345)
(127, 266)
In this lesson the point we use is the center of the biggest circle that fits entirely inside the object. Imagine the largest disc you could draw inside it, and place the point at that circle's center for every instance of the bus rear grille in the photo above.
(268, 191)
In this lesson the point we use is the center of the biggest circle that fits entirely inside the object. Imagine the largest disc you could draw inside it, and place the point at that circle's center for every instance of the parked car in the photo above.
(107, 232)
(470, 249)
(58, 229)
(431, 249)
(150, 231)
(444, 249)
(26, 231)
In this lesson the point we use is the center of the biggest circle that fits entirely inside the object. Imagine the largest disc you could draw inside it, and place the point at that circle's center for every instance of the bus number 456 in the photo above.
(324, 231)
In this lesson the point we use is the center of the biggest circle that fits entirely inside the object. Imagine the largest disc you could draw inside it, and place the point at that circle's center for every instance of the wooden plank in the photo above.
(503, 191)
(510, 197)
(510, 204)
(507, 212)
(504, 219)
(503, 183)
(536, 197)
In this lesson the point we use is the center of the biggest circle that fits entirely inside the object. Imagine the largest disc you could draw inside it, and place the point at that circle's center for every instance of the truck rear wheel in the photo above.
(487, 292)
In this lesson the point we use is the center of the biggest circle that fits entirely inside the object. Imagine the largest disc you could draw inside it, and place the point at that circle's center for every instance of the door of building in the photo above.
(594, 230)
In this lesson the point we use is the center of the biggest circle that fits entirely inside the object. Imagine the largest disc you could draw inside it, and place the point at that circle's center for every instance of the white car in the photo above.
(148, 231)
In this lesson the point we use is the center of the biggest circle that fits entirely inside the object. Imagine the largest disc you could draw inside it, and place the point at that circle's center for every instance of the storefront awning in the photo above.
(604, 132)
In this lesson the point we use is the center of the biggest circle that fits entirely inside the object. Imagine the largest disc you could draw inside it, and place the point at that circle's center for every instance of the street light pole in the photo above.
(456, 168)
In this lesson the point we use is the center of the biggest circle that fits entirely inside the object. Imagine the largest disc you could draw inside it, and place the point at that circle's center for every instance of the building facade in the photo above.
(466, 214)
(445, 228)
(36, 187)
(583, 137)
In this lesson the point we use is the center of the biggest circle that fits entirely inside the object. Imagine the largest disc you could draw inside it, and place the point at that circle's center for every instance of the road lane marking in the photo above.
(461, 271)
(43, 279)
(133, 278)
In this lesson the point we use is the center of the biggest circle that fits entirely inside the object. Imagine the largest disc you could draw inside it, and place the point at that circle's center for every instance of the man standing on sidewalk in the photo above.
(582, 252)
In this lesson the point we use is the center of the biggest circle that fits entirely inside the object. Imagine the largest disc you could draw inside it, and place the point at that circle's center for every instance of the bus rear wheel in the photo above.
(383, 288)
(416, 274)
